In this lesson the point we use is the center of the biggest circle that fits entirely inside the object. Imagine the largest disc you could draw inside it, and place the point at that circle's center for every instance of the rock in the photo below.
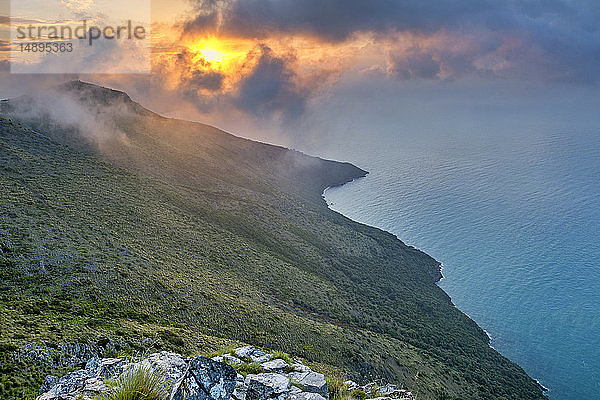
(71, 383)
(243, 352)
(77, 384)
(200, 378)
(260, 359)
(240, 389)
(312, 382)
(205, 379)
(369, 387)
(172, 364)
(239, 394)
(49, 383)
(295, 390)
(94, 386)
(305, 396)
(259, 356)
(229, 357)
(277, 365)
(386, 389)
(106, 367)
(397, 394)
(402, 395)
(267, 386)
(255, 355)
(299, 367)
(259, 353)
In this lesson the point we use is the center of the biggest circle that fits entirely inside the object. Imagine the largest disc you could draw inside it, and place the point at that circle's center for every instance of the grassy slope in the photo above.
(215, 238)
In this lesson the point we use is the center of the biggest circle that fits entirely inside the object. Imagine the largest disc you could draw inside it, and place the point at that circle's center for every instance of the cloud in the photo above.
(334, 20)
(502, 35)
(182, 73)
(272, 86)
(266, 84)
(77, 4)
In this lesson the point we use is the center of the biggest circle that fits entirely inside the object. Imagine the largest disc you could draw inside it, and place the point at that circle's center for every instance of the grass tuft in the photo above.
(141, 383)
(338, 390)
(249, 368)
(284, 356)
(358, 394)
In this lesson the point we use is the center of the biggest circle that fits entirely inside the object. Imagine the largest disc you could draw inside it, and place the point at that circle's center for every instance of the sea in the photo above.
(514, 217)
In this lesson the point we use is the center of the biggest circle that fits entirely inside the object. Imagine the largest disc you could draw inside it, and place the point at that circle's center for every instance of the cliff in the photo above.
(120, 223)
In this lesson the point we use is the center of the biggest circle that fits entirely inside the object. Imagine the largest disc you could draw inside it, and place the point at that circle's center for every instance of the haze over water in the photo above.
(513, 215)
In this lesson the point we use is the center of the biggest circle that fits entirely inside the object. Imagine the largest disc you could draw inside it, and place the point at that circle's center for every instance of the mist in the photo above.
(358, 106)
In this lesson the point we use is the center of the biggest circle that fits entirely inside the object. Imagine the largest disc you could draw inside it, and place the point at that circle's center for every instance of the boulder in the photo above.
(386, 389)
(267, 386)
(277, 365)
(246, 351)
(240, 390)
(259, 356)
(311, 381)
(205, 379)
(78, 384)
(295, 390)
(299, 367)
(106, 367)
(400, 394)
(230, 358)
(172, 364)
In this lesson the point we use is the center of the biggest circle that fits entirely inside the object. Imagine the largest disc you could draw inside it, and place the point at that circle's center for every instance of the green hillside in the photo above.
(176, 231)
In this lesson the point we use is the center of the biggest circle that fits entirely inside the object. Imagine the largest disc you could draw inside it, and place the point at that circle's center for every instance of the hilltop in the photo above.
(121, 225)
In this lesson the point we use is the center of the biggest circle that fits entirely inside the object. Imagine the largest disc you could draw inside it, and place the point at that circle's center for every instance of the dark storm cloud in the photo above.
(335, 19)
(272, 86)
(563, 35)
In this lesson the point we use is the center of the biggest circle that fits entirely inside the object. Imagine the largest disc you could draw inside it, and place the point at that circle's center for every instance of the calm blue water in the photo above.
(515, 220)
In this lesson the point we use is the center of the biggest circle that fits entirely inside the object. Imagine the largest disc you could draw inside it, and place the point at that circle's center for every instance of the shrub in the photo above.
(141, 383)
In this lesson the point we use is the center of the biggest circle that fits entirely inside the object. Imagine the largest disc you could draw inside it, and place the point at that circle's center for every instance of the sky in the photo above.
(263, 67)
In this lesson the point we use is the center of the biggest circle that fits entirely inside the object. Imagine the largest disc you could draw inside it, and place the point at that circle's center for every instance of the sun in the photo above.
(212, 55)
(221, 54)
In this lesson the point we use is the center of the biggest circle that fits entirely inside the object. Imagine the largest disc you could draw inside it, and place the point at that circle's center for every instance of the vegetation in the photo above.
(248, 368)
(283, 356)
(338, 390)
(358, 394)
(141, 383)
(165, 234)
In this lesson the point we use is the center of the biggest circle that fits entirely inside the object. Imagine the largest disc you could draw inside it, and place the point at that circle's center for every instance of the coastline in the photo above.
(544, 389)
(436, 276)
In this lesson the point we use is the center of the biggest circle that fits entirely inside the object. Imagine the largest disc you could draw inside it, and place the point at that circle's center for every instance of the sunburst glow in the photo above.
(212, 55)
(220, 54)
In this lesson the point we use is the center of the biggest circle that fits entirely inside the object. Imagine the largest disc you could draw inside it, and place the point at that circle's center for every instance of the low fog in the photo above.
(355, 108)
